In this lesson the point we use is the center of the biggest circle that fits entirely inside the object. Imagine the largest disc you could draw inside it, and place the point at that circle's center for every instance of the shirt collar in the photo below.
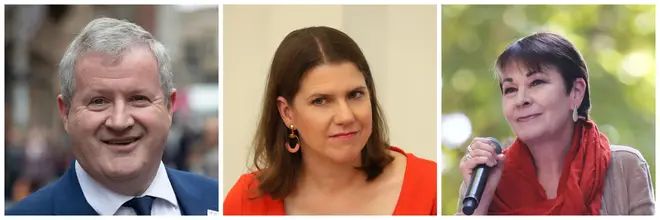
(107, 202)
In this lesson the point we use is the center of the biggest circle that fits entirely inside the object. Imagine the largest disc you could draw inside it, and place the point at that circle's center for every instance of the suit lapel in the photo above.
(70, 200)
(68, 196)
(188, 196)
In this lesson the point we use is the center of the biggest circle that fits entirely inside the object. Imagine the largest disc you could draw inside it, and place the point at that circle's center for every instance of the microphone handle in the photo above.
(475, 188)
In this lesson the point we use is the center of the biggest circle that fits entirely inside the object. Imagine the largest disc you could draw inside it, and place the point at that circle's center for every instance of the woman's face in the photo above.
(332, 112)
(535, 103)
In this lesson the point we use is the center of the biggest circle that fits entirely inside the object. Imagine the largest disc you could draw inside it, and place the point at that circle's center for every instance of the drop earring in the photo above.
(575, 114)
(293, 140)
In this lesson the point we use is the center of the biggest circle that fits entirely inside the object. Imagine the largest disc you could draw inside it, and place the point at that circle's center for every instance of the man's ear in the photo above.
(171, 105)
(286, 110)
(63, 111)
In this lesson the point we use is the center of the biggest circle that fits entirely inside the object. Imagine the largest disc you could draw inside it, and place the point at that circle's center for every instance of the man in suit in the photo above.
(117, 104)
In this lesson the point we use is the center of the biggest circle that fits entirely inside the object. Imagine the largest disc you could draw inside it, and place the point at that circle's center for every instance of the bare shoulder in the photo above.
(397, 168)
(392, 175)
(399, 158)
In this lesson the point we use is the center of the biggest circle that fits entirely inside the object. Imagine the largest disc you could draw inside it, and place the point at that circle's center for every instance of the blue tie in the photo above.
(142, 206)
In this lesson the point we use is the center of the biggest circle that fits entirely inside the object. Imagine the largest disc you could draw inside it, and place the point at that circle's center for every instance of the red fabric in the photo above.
(418, 194)
(580, 188)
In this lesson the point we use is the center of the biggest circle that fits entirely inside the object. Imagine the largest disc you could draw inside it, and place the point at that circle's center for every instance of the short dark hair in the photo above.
(299, 52)
(548, 49)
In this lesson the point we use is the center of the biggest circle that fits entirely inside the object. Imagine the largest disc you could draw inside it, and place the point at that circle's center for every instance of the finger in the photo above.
(463, 164)
(469, 164)
(479, 140)
(484, 144)
(483, 153)
(472, 163)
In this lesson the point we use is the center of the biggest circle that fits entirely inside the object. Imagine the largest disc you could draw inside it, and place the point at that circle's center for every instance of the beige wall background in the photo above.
(399, 43)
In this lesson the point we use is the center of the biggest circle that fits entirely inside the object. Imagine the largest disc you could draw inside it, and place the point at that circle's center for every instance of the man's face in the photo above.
(118, 119)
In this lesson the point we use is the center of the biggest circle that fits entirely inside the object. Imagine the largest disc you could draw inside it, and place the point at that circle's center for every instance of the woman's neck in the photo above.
(550, 152)
(328, 176)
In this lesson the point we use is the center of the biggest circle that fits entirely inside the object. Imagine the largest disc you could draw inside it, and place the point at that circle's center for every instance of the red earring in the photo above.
(292, 140)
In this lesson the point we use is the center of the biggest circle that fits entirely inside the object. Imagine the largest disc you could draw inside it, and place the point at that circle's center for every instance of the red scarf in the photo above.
(580, 188)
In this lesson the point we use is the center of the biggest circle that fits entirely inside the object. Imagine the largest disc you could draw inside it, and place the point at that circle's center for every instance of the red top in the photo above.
(418, 194)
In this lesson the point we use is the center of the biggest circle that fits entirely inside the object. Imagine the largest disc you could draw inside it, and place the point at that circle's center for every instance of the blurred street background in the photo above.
(617, 42)
(36, 146)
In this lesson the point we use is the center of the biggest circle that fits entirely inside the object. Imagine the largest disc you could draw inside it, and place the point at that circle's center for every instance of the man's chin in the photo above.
(124, 170)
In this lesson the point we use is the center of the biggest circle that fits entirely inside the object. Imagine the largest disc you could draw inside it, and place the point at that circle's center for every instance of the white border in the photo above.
(438, 103)
(221, 107)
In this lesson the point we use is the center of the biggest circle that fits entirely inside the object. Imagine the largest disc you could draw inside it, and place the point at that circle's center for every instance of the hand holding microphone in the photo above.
(482, 169)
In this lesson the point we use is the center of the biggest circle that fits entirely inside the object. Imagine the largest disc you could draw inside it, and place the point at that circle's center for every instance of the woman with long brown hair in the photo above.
(321, 146)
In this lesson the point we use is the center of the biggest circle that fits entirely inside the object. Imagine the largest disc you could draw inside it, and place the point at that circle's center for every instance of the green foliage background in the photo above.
(617, 42)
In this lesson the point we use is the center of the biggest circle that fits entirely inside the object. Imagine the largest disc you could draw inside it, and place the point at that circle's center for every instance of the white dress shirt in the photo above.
(108, 202)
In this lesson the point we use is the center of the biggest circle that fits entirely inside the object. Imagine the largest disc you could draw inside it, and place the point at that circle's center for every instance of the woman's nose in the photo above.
(522, 98)
(344, 114)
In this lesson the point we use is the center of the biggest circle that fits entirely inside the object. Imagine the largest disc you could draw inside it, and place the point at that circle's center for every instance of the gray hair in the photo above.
(112, 37)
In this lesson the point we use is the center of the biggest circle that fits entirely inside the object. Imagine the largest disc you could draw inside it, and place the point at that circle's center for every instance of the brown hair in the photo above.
(541, 49)
(299, 52)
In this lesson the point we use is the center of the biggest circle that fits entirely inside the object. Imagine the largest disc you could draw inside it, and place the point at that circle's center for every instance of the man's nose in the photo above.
(120, 118)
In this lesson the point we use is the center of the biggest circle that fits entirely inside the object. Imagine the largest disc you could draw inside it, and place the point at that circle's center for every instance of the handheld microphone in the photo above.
(478, 182)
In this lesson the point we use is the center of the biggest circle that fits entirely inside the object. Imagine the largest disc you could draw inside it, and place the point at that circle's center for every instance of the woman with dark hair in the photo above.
(321, 146)
(560, 163)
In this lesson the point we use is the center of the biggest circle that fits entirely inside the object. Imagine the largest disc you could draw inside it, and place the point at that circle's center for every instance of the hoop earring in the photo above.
(575, 114)
(293, 140)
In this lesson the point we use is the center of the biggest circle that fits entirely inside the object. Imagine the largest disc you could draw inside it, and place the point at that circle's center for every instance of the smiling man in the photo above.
(117, 105)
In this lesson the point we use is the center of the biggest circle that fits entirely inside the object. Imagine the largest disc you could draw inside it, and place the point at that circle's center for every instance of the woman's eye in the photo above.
(509, 90)
(537, 82)
(356, 95)
(319, 101)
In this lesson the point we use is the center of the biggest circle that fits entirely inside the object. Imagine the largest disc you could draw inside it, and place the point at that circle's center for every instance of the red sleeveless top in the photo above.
(418, 193)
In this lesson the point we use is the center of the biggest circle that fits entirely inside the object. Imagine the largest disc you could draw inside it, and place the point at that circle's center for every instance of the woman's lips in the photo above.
(344, 135)
(528, 117)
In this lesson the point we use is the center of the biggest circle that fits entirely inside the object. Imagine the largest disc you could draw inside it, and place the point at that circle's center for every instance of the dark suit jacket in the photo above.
(195, 194)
